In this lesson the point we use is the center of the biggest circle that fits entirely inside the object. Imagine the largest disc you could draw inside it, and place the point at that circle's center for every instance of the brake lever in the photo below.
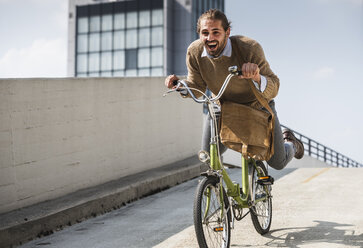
(175, 83)
(179, 87)
(169, 91)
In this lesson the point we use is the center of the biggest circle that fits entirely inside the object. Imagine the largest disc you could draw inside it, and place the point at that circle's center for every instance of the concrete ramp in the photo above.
(312, 207)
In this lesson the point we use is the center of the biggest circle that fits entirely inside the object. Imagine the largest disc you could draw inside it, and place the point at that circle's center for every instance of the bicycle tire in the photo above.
(211, 228)
(261, 212)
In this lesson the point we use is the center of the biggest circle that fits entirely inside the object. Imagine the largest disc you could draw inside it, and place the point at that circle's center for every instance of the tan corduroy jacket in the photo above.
(211, 72)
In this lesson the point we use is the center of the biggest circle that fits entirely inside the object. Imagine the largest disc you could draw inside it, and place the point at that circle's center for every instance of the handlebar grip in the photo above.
(175, 82)
(240, 73)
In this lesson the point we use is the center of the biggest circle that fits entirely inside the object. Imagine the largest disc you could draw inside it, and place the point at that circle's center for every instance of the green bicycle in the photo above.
(219, 201)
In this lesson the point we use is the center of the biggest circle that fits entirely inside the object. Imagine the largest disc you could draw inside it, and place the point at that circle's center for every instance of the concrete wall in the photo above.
(61, 135)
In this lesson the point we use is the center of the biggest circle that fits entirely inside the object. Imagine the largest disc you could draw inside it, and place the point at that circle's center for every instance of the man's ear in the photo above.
(228, 32)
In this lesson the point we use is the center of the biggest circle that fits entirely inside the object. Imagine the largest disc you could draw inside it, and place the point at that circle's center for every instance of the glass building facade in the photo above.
(128, 38)
(120, 39)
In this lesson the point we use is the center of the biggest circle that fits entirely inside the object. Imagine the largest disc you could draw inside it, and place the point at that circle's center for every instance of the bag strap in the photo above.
(264, 103)
(260, 98)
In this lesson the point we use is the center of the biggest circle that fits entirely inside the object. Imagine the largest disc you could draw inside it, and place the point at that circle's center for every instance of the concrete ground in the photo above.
(38, 220)
(312, 207)
(140, 224)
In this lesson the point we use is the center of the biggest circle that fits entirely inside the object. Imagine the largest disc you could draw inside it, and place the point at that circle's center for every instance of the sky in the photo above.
(33, 38)
(315, 47)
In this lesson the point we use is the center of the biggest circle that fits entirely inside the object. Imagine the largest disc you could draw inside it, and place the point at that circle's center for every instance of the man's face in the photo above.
(213, 36)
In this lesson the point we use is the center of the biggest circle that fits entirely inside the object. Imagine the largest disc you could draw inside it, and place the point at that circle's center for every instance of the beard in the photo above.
(215, 48)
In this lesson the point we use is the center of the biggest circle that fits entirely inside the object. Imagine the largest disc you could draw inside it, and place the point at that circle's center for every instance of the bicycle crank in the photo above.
(237, 212)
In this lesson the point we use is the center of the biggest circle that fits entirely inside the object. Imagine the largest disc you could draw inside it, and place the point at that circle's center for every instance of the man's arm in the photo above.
(260, 72)
(194, 78)
(272, 81)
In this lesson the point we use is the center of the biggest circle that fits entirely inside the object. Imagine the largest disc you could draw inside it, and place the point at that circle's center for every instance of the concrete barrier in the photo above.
(234, 158)
(61, 135)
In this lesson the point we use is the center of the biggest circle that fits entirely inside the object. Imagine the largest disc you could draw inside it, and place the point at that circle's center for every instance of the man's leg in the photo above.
(206, 136)
(206, 133)
(284, 151)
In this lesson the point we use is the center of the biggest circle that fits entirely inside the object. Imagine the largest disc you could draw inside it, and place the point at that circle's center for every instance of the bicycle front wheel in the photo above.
(261, 211)
(212, 216)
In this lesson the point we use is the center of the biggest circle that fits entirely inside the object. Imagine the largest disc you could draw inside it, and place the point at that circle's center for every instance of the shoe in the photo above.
(289, 136)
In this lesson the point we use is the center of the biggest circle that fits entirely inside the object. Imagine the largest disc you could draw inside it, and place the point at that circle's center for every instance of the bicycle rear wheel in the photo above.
(261, 211)
(211, 217)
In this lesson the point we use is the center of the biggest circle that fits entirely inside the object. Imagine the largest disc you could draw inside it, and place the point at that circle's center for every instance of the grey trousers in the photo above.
(284, 151)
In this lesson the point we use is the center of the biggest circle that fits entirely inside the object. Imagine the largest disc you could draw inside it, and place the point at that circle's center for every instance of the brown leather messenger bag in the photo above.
(248, 130)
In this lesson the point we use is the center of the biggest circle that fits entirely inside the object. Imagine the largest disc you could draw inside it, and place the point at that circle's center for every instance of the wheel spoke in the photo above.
(261, 211)
(213, 225)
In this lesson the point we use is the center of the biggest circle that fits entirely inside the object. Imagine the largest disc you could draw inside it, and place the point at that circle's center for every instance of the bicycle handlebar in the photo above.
(182, 85)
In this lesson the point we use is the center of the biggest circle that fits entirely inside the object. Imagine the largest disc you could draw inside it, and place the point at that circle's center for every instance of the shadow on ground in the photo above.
(323, 233)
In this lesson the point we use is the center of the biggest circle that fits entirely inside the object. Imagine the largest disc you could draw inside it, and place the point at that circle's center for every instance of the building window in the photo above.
(82, 25)
(119, 21)
(157, 36)
(82, 63)
(156, 56)
(144, 58)
(94, 42)
(94, 23)
(144, 37)
(119, 60)
(131, 38)
(120, 39)
(144, 18)
(106, 22)
(106, 61)
(94, 62)
(82, 43)
(157, 17)
(106, 41)
(131, 59)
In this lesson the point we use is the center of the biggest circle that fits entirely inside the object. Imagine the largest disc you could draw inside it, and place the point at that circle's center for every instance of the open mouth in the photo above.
(212, 45)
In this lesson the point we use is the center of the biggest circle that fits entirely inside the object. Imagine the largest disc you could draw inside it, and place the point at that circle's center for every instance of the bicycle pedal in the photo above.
(266, 180)
(218, 229)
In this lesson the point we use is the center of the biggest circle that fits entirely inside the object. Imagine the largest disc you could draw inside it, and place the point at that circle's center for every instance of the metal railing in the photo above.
(316, 150)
